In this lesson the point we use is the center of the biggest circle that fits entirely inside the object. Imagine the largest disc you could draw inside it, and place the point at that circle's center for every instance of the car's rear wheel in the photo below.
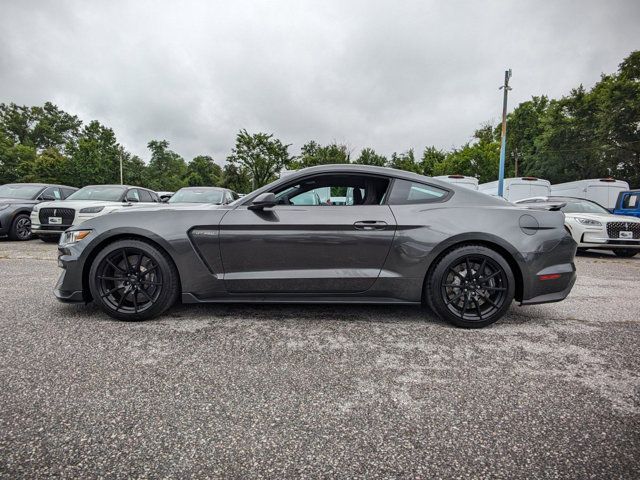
(471, 286)
(133, 280)
(20, 228)
(625, 252)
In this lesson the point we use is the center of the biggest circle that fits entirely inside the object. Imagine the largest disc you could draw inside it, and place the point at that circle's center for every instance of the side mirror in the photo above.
(48, 198)
(131, 199)
(164, 199)
(263, 200)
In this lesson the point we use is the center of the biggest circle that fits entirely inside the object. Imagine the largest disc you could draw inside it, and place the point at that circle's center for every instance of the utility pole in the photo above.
(503, 139)
(121, 182)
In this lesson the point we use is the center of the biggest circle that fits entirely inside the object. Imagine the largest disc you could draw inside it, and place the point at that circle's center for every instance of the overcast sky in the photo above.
(390, 75)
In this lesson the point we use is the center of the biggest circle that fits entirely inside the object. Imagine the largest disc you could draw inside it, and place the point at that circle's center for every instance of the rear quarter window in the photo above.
(405, 192)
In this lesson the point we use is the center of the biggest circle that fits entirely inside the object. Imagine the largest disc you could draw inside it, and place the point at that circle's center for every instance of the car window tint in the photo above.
(51, 192)
(66, 192)
(405, 192)
(334, 190)
(145, 196)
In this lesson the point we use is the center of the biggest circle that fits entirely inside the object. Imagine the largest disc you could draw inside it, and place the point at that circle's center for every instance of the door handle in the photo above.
(370, 225)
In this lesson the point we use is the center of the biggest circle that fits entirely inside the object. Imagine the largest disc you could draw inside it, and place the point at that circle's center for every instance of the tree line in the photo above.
(585, 134)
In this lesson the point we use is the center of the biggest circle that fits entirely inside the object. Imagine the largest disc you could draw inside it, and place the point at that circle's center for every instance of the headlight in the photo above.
(588, 222)
(91, 210)
(73, 236)
(3, 206)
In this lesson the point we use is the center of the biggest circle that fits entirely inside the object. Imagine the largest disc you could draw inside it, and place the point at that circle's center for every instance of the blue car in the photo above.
(628, 203)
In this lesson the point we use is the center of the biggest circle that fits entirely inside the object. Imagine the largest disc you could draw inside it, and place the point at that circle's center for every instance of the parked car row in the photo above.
(45, 211)
(601, 213)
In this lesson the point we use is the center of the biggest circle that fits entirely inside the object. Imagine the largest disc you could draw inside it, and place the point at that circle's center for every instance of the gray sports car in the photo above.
(371, 235)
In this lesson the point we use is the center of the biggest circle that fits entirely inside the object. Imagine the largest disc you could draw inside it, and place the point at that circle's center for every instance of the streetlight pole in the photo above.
(121, 180)
(503, 139)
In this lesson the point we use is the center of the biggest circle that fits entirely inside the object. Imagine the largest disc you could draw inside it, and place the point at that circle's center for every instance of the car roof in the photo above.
(385, 171)
(30, 184)
(119, 186)
(203, 188)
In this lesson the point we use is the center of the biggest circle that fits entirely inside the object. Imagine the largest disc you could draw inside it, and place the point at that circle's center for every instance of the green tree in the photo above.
(312, 153)
(51, 166)
(236, 178)
(39, 127)
(368, 156)
(134, 170)
(16, 160)
(431, 158)
(261, 155)
(95, 156)
(166, 169)
(479, 158)
(405, 161)
(203, 171)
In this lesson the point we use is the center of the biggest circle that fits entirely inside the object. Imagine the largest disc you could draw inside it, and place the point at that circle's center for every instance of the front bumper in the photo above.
(69, 287)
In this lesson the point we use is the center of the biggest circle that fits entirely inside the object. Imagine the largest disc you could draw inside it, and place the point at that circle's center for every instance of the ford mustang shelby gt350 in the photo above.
(327, 234)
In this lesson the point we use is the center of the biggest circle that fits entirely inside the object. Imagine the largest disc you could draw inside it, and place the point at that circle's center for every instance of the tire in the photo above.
(489, 293)
(133, 280)
(50, 238)
(625, 252)
(20, 229)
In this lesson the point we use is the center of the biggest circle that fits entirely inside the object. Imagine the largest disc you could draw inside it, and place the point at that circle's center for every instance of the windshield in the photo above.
(581, 206)
(197, 195)
(101, 193)
(25, 192)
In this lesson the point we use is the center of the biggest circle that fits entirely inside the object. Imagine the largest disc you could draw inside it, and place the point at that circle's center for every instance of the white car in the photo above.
(50, 219)
(593, 227)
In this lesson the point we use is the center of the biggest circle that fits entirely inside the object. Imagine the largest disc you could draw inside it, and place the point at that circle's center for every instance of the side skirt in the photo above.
(191, 298)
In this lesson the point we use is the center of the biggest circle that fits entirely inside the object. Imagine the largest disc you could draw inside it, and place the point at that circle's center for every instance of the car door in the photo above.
(309, 248)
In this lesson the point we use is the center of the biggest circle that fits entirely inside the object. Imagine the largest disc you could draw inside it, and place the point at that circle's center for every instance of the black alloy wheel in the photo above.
(20, 228)
(472, 286)
(133, 280)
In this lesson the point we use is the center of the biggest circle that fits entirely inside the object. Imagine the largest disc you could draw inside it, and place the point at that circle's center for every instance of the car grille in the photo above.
(67, 215)
(614, 229)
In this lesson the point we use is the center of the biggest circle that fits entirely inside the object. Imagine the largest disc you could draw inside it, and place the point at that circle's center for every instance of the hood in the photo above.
(21, 201)
(604, 217)
(169, 207)
(78, 204)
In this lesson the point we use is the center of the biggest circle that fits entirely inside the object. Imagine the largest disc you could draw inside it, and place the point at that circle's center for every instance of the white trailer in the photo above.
(465, 181)
(518, 188)
(600, 190)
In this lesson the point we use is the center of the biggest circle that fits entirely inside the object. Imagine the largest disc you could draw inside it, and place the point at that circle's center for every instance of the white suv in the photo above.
(50, 219)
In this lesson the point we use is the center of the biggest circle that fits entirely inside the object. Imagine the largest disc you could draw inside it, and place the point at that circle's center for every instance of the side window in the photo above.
(132, 195)
(334, 190)
(51, 192)
(405, 192)
(631, 200)
(145, 196)
(66, 192)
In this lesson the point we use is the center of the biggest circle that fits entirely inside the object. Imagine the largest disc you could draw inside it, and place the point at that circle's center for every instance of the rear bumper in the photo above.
(550, 275)
(554, 296)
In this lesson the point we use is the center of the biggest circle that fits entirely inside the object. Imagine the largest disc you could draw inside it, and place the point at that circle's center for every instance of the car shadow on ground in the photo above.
(299, 313)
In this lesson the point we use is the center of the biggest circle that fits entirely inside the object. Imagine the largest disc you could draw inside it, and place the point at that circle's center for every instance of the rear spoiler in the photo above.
(550, 206)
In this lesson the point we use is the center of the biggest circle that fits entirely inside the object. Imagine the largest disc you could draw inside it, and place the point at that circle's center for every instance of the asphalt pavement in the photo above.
(277, 391)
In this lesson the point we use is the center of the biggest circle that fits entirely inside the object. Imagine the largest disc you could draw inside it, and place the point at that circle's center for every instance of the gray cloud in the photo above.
(391, 75)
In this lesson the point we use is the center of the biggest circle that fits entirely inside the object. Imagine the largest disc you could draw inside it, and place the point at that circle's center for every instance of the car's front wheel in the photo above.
(471, 286)
(625, 252)
(20, 228)
(133, 280)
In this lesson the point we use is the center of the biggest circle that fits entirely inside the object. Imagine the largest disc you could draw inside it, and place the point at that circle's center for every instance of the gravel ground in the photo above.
(271, 391)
